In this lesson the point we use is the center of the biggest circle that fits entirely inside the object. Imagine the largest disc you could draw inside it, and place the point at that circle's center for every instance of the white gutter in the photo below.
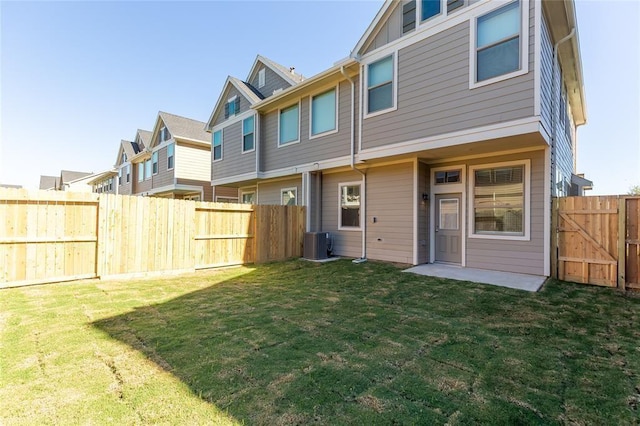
(363, 258)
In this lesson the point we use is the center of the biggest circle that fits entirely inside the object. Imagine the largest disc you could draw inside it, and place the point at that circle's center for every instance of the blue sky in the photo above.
(77, 77)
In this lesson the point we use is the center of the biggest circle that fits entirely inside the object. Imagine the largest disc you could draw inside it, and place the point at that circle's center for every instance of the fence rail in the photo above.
(60, 236)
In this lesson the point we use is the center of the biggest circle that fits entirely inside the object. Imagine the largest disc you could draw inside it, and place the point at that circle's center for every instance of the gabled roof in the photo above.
(248, 91)
(292, 77)
(145, 136)
(129, 148)
(67, 176)
(382, 14)
(182, 128)
(96, 177)
(49, 182)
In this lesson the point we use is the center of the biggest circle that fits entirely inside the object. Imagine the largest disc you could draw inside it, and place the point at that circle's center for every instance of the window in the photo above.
(232, 107)
(170, 156)
(449, 176)
(498, 42)
(123, 158)
(128, 167)
(147, 169)
(154, 161)
(430, 8)
(499, 200)
(248, 134)
(449, 214)
(408, 16)
(119, 176)
(453, 5)
(217, 145)
(323, 112)
(164, 134)
(226, 200)
(261, 78)
(248, 197)
(349, 206)
(288, 128)
(192, 197)
(380, 76)
(289, 196)
(140, 172)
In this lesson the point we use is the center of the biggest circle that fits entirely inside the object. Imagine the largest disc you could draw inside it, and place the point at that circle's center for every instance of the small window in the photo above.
(170, 156)
(380, 76)
(349, 206)
(128, 173)
(249, 197)
(449, 176)
(323, 112)
(119, 176)
(217, 145)
(498, 200)
(192, 197)
(289, 125)
(154, 161)
(233, 200)
(164, 134)
(248, 126)
(408, 16)
(147, 169)
(430, 8)
(498, 42)
(232, 107)
(140, 172)
(123, 158)
(261, 78)
(289, 196)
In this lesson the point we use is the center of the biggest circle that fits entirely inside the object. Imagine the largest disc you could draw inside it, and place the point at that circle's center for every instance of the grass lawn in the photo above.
(335, 343)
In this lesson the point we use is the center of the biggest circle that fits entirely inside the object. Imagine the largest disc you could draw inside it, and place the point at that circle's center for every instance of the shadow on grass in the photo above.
(296, 342)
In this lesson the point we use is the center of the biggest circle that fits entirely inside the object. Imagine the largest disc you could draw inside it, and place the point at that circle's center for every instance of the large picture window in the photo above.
(349, 206)
(499, 200)
(498, 42)
(380, 77)
(323, 112)
(217, 145)
(289, 125)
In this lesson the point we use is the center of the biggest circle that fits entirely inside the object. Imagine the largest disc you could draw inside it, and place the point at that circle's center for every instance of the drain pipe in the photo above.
(363, 206)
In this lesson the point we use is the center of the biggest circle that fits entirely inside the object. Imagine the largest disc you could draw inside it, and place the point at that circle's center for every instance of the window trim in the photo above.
(141, 171)
(365, 86)
(322, 92)
(232, 101)
(242, 150)
(253, 191)
(526, 209)
(155, 167)
(293, 142)
(441, 14)
(524, 46)
(295, 192)
(262, 78)
(147, 176)
(213, 135)
(171, 156)
(340, 186)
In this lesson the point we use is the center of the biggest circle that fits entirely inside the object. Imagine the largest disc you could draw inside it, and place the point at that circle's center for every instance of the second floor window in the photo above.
(140, 172)
(128, 172)
(289, 125)
(232, 107)
(261, 78)
(498, 42)
(430, 8)
(154, 161)
(248, 126)
(170, 156)
(123, 159)
(120, 177)
(217, 145)
(323, 112)
(380, 85)
(164, 134)
(147, 169)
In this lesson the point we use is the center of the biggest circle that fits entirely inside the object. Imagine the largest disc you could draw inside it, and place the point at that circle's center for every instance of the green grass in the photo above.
(336, 343)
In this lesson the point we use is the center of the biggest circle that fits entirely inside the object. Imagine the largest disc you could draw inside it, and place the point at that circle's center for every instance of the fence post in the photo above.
(554, 238)
(622, 242)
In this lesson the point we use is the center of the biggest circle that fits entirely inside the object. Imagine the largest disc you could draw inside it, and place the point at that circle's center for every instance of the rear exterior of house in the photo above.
(441, 139)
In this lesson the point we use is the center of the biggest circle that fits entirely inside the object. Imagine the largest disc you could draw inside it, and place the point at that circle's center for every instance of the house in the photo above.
(442, 138)
(126, 151)
(49, 183)
(103, 182)
(74, 181)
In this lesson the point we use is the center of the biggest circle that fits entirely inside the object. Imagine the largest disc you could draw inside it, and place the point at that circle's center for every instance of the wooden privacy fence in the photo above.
(49, 236)
(596, 240)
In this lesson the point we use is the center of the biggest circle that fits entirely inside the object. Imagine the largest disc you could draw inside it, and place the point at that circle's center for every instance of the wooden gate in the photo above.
(631, 265)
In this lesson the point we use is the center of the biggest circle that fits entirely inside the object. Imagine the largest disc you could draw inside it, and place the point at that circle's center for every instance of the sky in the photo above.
(78, 77)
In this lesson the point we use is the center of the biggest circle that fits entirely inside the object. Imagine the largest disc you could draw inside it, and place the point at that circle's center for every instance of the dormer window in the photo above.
(123, 159)
(164, 134)
(232, 107)
(261, 78)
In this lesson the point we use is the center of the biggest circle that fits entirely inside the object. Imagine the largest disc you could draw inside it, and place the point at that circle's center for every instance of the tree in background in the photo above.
(634, 190)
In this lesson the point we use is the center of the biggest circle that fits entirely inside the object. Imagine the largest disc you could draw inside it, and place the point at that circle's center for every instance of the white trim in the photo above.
(225, 197)
(451, 188)
(524, 45)
(489, 154)
(294, 189)
(253, 191)
(155, 153)
(231, 120)
(306, 185)
(234, 179)
(364, 87)
(229, 81)
(526, 219)
(493, 131)
(435, 18)
(278, 143)
(268, 62)
(360, 111)
(262, 77)
(242, 151)
(174, 156)
(213, 159)
(362, 218)
(372, 26)
(547, 211)
(416, 196)
(174, 187)
(537, 59)
(322, 92)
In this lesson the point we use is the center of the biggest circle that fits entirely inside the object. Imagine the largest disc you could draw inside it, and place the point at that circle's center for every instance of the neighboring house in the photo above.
(104, 182)
(123, 165)
(74, 181)
(49, 183)
(442, 138)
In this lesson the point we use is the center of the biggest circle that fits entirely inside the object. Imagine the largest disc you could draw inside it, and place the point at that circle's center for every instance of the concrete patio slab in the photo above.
(503, 279)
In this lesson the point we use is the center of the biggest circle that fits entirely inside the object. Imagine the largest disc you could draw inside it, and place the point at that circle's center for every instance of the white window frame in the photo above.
(262, 80)
(193, 197)
(243, 135)
(365, 87)
(128, 173)
(243, 193)
(232, 101)
(155, 159)
(120, 176)
(328, 132)
(295, 193)
(524, 45)
(349, 228)
(213, 159)
(443, 13)
(141, 171)
(280, 145)
(526, 211)
(148, 170)
(169, 156)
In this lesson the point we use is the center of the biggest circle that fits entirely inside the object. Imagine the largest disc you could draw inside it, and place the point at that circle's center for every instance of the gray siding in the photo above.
(226, 191)
(389, 31)
(434, 96)
(139, 187)
(345, 243)
(273, 81)
(233, 162)
(546, 72)
(308, 150)
(269, 192)
(206, 188)
(230, 92)
(423, 213)
(164, 177)
(389, 198)
(525, 257)
(126, 188)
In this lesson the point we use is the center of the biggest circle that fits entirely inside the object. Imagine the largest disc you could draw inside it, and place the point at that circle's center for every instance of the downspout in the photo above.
(363, 258)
